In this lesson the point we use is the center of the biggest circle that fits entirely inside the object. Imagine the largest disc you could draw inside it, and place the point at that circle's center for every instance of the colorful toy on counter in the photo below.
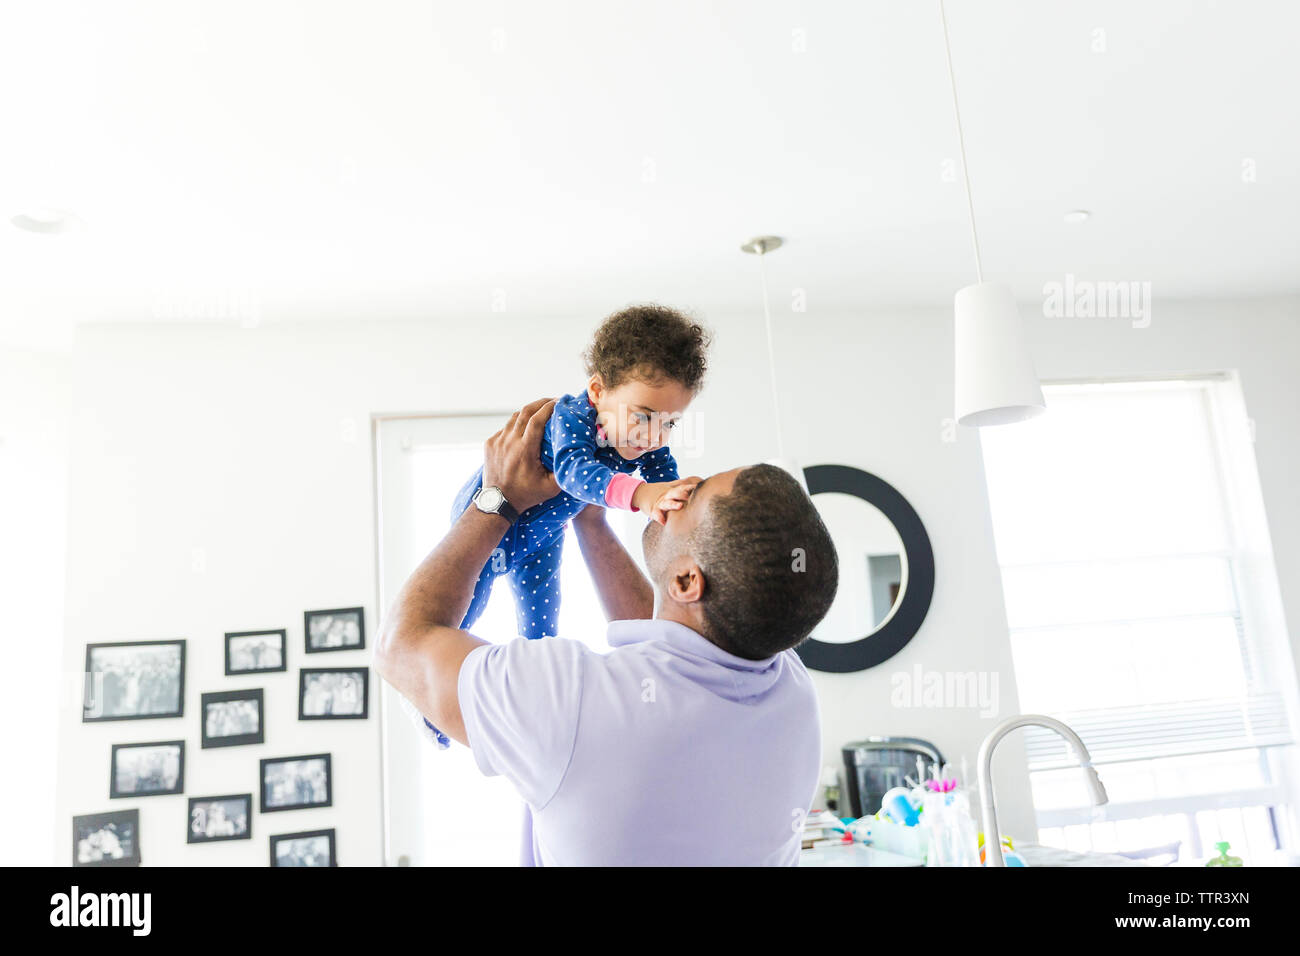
(901, 806)
(1223, 859)
(1009, 854)
(861, 829)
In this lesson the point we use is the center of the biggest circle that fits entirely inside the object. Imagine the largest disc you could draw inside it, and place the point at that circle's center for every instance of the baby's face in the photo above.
(638, 417)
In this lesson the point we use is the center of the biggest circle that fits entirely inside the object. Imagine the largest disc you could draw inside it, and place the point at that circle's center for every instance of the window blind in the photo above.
(1117, 734)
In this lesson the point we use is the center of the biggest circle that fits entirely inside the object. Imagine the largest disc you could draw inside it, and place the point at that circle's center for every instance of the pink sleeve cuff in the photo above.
(618, 494)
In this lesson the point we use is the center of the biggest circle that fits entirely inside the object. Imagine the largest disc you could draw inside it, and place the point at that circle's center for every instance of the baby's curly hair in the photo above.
(650, 343)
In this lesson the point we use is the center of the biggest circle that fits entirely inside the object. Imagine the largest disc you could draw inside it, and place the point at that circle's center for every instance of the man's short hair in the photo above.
(770, 567)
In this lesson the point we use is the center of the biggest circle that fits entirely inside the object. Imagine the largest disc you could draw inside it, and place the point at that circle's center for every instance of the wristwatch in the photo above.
(492, 501)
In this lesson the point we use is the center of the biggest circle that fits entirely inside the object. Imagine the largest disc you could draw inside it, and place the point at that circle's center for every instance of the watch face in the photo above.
(489, 499)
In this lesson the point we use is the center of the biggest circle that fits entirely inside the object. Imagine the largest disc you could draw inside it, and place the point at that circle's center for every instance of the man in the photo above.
(696, 740)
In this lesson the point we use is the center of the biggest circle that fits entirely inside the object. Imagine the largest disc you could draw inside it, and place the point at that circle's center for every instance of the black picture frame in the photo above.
(305, 672)
(127, 820)
(197, 802)
(901, 627)
(231, 740)
(271, 761)
(305, 835)
(281, 633)
(307, 616)
(115, 794)
(88, 696)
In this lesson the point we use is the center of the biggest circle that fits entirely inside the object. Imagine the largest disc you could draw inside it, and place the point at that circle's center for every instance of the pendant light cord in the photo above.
(961, 144)
(771, 355)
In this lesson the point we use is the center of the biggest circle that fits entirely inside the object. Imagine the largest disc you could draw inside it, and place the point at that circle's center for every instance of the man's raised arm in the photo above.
(624, 592)
(421, 648)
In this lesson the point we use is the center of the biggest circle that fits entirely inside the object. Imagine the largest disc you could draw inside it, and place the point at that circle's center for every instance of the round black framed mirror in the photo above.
(894, 610)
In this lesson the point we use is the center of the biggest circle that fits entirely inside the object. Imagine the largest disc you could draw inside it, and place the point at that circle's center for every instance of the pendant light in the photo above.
(760, 246)
(994, 379)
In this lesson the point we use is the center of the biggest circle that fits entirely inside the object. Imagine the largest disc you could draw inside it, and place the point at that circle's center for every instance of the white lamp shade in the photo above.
(995, 379)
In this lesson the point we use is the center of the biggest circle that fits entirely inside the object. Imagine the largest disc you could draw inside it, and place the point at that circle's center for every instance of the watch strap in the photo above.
(507, 510)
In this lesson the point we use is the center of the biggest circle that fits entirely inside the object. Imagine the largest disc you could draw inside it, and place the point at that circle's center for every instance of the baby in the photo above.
(646, 363)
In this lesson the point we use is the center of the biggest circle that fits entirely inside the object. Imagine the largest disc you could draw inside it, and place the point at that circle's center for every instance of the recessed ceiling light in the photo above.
(47, 221)
(1076, 216)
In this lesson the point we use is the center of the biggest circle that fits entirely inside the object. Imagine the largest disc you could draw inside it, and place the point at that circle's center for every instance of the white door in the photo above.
(438, 809)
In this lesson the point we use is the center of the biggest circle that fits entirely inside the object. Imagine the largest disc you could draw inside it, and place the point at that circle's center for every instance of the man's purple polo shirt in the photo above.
(664, 751)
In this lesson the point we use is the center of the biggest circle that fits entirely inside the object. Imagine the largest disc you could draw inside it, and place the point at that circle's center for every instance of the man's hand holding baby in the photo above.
(510, 457)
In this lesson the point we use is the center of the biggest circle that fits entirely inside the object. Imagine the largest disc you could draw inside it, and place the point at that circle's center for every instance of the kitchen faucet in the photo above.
(992, 838)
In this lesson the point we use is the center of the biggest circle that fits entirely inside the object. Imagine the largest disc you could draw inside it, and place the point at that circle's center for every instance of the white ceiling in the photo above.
(399, 159)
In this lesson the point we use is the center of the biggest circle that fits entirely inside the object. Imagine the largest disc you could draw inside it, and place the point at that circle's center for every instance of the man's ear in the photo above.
(685, 582)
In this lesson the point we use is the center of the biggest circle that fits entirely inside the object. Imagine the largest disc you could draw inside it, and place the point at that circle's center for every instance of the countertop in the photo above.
(1036, 855)
(855, 854)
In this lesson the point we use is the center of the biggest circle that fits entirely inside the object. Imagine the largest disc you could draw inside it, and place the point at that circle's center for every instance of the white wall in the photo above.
(252, 445)
(33, 472)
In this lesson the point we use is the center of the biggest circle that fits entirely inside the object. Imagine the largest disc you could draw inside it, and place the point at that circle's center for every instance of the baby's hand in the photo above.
(658, 498)
(673, 499)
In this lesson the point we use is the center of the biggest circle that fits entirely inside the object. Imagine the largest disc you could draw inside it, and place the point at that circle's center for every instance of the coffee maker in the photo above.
(874, 766)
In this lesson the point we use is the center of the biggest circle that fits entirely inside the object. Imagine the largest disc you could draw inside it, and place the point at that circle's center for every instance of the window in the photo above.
(1136, 574)
(439, 810)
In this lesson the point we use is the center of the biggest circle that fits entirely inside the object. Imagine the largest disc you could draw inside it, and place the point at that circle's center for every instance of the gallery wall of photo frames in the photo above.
(139, 680)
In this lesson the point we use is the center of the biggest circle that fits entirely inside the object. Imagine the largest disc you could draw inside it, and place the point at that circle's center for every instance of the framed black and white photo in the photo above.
(134, 680)
(294, 783)
(333, 693)
(147, 770)
(106, 839)
(255, 652)
(232, 718)
(342, 629)
(308, 848)
(213, 819)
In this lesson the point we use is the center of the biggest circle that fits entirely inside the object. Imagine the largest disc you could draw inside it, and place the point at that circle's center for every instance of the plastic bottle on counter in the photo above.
(952, 837)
